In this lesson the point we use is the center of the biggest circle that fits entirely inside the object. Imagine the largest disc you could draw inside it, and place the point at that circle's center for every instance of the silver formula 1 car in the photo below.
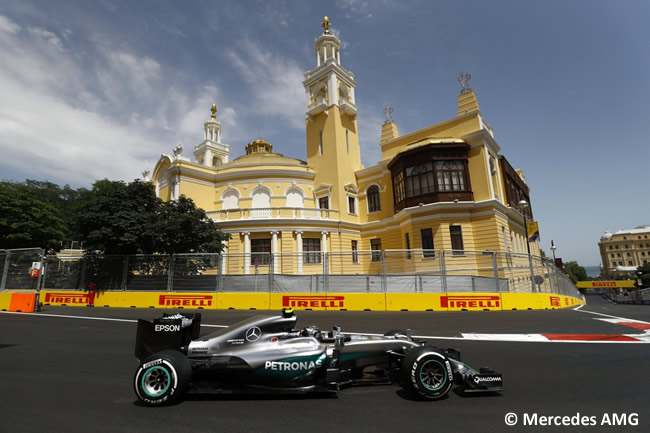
(267, 354)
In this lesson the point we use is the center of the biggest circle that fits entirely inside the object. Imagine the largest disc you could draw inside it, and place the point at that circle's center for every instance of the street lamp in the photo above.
(553, 248)
(523, 204)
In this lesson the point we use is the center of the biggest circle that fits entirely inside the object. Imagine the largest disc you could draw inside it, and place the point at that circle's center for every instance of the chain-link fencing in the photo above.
(395, 271)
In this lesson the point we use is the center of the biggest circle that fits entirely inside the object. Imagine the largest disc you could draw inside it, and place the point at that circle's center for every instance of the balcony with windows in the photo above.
(431, 174)
(273, 213)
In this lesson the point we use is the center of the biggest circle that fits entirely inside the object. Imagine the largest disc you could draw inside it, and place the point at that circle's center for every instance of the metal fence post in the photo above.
(217, 285)
(170, 273)
(443, 271)
(532, 273)
(271, 271)
(496, 270)
(82, 274)
(326, 284)
(5, 272)
(384, 278)
(125, 272)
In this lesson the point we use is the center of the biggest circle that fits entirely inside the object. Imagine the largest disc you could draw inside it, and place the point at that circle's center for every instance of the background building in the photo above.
(622, 252)
(443, 189)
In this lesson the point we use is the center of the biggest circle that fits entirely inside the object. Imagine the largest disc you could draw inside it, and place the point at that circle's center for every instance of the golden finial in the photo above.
(326, 25)
(214, 111)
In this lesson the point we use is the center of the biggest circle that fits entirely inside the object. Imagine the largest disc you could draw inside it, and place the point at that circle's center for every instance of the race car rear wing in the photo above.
(172, 331)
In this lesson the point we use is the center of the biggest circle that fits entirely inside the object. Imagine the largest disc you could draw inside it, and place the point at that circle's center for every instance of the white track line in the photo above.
(107, 319)
(643, 338)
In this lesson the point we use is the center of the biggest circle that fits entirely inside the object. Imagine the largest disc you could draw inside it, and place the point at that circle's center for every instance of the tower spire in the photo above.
(326, 25)
(211, 152)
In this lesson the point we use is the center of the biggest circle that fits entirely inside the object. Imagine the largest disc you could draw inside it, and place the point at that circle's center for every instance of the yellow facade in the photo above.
(466, 191)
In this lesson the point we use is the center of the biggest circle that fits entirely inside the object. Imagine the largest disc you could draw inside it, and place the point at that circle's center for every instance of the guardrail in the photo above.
(638, 297)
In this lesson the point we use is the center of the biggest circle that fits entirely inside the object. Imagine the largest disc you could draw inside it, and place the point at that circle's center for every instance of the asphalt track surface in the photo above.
(62, 374)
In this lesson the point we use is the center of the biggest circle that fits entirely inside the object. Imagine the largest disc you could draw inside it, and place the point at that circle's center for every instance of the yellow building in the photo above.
(443, 187)
(622, 252)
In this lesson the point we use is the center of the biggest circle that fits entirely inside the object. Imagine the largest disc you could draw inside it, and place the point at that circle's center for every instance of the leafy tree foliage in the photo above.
(119, 218)
(123, 218)
(575, 271)
(184, 228)
(645, 274)
(29, 219)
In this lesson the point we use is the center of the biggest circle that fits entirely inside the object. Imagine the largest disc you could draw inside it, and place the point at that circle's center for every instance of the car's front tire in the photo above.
(162, 378)
(426, 373)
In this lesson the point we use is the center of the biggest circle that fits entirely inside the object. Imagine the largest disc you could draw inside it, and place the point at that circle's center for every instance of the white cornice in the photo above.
(482, 136)
(322, 71)
(444, 123)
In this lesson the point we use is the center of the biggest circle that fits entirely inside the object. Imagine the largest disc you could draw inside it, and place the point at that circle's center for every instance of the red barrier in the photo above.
(23, 302)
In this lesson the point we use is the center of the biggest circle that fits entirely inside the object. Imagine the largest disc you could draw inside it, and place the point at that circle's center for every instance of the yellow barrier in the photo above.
(329, 301)
(311, 301)
(470, 301)
(601, 284)
(413, 302)
(243, 301)
(522, 301)
(5, 301)
(132, 299)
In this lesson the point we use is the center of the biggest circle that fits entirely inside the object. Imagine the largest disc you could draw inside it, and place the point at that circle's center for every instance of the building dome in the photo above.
(259, 146)
(260, 152)
(606, 235)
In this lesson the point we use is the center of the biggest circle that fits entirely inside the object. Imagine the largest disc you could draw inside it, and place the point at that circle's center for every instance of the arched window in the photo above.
(230, 199)
(261, 203)
(451, 175)
(374, 205)
(294, 197)
(216, 161)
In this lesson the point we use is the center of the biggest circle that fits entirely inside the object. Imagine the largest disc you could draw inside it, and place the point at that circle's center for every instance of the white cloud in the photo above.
(74, 117)
(47, 36)
(357, 7)
(6, 25)
(274, 81)
(124, 73)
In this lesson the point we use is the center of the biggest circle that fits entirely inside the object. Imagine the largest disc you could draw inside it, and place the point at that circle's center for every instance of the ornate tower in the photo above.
(211, 152)
(331, 126)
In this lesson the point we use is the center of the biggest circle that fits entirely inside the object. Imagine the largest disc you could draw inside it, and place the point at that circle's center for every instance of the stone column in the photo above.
(247, 252)
(274, 251)
(299, 250)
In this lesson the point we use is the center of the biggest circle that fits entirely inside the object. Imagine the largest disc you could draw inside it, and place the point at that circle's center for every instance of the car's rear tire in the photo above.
(397, 333)
(162, 378)
(426, 373)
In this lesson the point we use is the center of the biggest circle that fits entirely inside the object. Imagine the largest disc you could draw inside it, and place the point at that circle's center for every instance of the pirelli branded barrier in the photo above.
(629, 284)
(321, 301)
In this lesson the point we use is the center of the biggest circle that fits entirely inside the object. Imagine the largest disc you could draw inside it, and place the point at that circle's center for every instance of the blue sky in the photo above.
(99, 89)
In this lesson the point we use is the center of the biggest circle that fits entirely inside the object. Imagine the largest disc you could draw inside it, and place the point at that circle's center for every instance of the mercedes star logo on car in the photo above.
(253, 334)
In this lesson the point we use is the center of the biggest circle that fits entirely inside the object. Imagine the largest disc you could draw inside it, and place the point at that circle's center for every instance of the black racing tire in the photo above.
(400, 334)
(427, 373)
(162, 378)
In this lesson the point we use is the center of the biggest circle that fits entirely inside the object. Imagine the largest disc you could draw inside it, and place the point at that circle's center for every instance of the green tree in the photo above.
(184, 228)
(575, 271)
(27, 220)
(645, 274)
(121, 218)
